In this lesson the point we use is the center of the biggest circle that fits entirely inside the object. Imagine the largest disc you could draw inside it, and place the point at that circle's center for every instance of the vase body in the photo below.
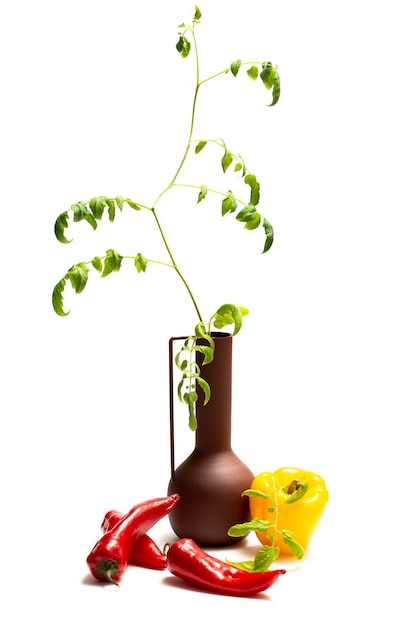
(210, 481)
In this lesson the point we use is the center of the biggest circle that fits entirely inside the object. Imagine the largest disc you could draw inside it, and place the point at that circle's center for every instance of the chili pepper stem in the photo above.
(107, 569)
(111, 580)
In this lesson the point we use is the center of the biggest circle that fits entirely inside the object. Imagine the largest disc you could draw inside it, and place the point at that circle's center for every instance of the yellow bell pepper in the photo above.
(296, 503)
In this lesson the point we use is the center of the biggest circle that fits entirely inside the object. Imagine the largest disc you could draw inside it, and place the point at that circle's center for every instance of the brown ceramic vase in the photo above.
(210, 481)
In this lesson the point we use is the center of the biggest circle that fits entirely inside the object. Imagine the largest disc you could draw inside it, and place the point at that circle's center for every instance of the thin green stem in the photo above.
(228, 70)
(190, 134)
(209, 190)
(276, 512)
(214, 76)
(188, 186)
(129, 256)
(174, 178)
(177, 269)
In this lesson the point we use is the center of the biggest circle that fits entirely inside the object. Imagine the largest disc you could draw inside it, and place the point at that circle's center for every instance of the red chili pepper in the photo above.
(145, 552)
(109, 558)
(188, 561)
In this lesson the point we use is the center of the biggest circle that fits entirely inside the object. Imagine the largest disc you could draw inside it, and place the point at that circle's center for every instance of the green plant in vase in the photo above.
(245, 211)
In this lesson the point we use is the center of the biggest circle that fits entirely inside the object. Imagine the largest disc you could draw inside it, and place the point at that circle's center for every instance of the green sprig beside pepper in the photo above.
(285, 506)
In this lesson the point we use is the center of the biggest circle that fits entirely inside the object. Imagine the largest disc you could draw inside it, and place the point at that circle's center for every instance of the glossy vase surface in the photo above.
(210, 481)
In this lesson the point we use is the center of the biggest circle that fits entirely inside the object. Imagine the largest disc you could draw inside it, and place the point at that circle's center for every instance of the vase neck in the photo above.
(213, 432)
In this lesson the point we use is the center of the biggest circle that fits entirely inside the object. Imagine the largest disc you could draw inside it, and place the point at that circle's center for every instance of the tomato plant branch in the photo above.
(93, 211)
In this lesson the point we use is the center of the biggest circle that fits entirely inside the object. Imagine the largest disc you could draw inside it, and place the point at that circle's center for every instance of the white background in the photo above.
(96, 100)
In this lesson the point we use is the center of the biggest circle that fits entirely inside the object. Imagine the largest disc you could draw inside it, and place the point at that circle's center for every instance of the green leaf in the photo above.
(264, 558)
(197, 14)
(141, 262)
(207, 351)
(199, 147)
(276, 90)
(227, 160)
(229, 204)
(60, 225)
(267, 74)
(192, 420)
(80, 209)
(247, 566)
(255, 525)
(201, 333)
(229, 314)
(119, 202)
(188, 345)
(133, 204)
(190, 399)
(235, 66)
(200, 330)
(240, 165)
(253, 72)
(112, 209)
(82, 212)
(190, 396)
(57, 297)
(183, 46)
(246, 214)
(97, 206)
(269, 235)
(202, 194)
(203, 384)
(178, 358)
(179, 390)
(254, 222)
(250, 179)
(112, 262)
(97, 264)
(271, 80)
(255, 493)
(78, 276)
(226, 315)
(292, 544)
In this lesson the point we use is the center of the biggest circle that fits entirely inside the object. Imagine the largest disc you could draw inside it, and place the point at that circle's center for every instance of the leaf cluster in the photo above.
(186, 361)
(248, 213)
(77, 275)
(184, 45)
(91, 212)
(267, 554)
(269, 75)
(202, 342)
